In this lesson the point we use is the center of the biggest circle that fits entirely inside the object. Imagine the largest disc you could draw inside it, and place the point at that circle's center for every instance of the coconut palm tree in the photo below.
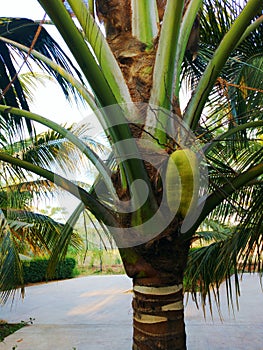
(171, 166)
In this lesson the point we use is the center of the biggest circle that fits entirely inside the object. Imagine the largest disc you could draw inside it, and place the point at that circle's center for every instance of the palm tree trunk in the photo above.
(158, 319)
(157, 269)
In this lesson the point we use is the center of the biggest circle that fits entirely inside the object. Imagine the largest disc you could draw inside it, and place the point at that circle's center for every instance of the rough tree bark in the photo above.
(157, 271)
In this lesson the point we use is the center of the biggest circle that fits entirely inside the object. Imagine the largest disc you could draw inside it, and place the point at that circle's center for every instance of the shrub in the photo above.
(36, 270)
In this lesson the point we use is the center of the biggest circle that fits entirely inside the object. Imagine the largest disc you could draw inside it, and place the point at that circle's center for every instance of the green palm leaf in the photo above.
(11, 275)
(239, 249)
(23, 31)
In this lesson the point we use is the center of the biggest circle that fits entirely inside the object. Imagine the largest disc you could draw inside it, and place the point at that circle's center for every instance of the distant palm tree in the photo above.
(138, 64)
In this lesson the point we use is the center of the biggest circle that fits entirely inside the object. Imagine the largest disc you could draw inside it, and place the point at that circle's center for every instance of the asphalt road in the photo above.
(94, 313)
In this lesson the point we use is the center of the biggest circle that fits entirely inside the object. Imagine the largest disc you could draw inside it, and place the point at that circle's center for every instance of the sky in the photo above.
(49, 100)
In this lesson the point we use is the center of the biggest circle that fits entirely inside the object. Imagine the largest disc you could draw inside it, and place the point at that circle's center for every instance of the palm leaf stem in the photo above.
(253, 26)
(144, 21)
(84, 92)
(98, 209)
(92, 156)
(227, 45)
(79, 49)
(115, 123)
(185, 30)
(100, 46)
(164, 67)
(163, 76)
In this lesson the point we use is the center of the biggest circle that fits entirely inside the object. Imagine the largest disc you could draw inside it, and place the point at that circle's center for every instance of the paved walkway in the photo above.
(94, 313)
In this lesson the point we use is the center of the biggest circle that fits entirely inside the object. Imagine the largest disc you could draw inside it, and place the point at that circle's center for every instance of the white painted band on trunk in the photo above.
(149, 319)
(158, 290)
(178, 305)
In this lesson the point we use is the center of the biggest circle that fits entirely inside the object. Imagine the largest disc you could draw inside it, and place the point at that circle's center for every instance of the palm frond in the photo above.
(212, 230)
(41, 232)
(25, 31)
(62, 243)
(205, 272)
(26, 232)
(11, 273)
(29, 82)
(239, 250)
(42, 150)
(248, 239)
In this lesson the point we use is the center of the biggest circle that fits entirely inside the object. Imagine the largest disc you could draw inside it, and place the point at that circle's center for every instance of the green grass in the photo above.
(8, 328)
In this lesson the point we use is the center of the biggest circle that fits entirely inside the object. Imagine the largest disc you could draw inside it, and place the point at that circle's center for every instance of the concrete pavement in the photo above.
(95, 313)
